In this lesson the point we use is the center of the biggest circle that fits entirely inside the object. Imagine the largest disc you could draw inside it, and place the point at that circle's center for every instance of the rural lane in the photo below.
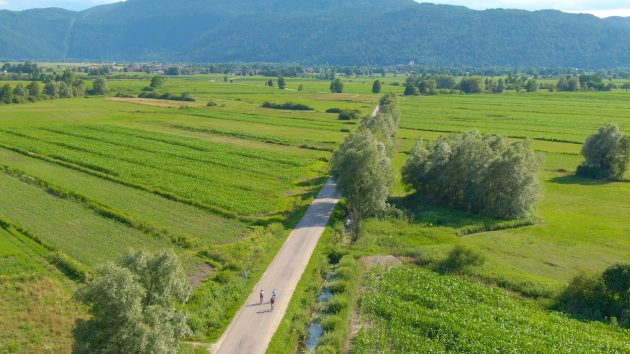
(254, 325)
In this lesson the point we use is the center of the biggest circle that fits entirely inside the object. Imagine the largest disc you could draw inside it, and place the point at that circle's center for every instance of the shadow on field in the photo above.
(572, 179)
(423, 213)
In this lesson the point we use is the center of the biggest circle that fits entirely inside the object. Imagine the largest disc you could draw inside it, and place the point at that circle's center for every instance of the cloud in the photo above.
(66, 4)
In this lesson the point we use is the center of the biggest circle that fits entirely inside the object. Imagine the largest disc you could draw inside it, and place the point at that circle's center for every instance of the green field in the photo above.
(582, 225)
(417, 311)
(86, 179)
(90, 178)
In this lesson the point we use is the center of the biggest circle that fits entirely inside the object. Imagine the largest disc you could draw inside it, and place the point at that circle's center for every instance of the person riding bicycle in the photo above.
(262, 296)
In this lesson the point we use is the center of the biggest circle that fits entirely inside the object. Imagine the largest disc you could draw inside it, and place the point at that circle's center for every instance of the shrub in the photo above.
(167, 96)
(212, 104)
(287, 106)
(461, 258)
(349, 114)
(617, 280)
(599, 297)
(334, 110)
(586, 297)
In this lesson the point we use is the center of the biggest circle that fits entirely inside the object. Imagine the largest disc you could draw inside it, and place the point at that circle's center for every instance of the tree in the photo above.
(376, 87)
(282, 84)
(617, 280)
(101, 86)
(508, 185)
(531, 85)
(411, 91)
(52, 89)
(363, 174)
(500, 86)
(79, 88)
(574, 84)
(19, 90)
(606, 154)
(626, 86)
(6, 94)
(225, 79)
(473, 84)
(65, 90)
(157, 82)
(33, 89)
(270, 83)
(133, 306)
(301, 88)
(475, 172)
(384, 124)
(336, 86)
(445, 82)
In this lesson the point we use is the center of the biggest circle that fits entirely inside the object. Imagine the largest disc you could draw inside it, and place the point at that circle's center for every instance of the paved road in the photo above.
(254, 325)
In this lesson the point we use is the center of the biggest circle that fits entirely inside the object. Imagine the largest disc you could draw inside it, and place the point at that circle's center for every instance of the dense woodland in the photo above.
(322, 31)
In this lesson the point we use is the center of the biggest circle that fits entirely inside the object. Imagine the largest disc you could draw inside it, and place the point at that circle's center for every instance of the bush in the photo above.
(586, 297)
(349, 114)
(287, 106)
(606, 154)
(212, 104)
(460, 259)
(334, 110)
(167, 96)
(599, 297)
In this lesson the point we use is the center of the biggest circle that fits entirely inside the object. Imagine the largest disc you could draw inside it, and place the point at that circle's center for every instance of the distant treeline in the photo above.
(167, 96)
(66, 85)
(32, 71)
(433, 84)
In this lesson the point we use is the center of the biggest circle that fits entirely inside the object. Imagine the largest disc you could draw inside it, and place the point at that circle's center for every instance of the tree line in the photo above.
(416, 85)
(67, 85)
(362, 167)
(479, 173)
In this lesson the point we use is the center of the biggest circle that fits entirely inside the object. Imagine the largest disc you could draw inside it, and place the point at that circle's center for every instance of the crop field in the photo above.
(581, 225)
(87, 179)
(438, 314)
(222, 184)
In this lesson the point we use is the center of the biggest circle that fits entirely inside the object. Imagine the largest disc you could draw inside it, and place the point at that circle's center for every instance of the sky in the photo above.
(601, 8)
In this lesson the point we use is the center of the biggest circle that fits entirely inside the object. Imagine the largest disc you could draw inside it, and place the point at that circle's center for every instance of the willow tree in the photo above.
(133, 306)
(605, 154)
(364, 176)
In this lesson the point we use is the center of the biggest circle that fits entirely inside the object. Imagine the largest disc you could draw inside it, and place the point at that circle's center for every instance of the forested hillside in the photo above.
(356, 32)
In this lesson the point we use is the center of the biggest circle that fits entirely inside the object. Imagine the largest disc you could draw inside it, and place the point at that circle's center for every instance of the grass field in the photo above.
(37, 311)
(582, 224)
(93, 177)
(90, 178)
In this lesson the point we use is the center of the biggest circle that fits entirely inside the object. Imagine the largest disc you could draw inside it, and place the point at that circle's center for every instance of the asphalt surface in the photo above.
(254, 325)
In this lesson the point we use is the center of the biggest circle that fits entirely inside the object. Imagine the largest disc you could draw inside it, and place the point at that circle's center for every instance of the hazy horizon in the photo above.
(598, 8)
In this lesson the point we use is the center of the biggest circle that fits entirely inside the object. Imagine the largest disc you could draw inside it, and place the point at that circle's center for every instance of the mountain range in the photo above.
(344, 32)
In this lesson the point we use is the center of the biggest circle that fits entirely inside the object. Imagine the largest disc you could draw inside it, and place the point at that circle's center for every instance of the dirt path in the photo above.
(254, 325)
